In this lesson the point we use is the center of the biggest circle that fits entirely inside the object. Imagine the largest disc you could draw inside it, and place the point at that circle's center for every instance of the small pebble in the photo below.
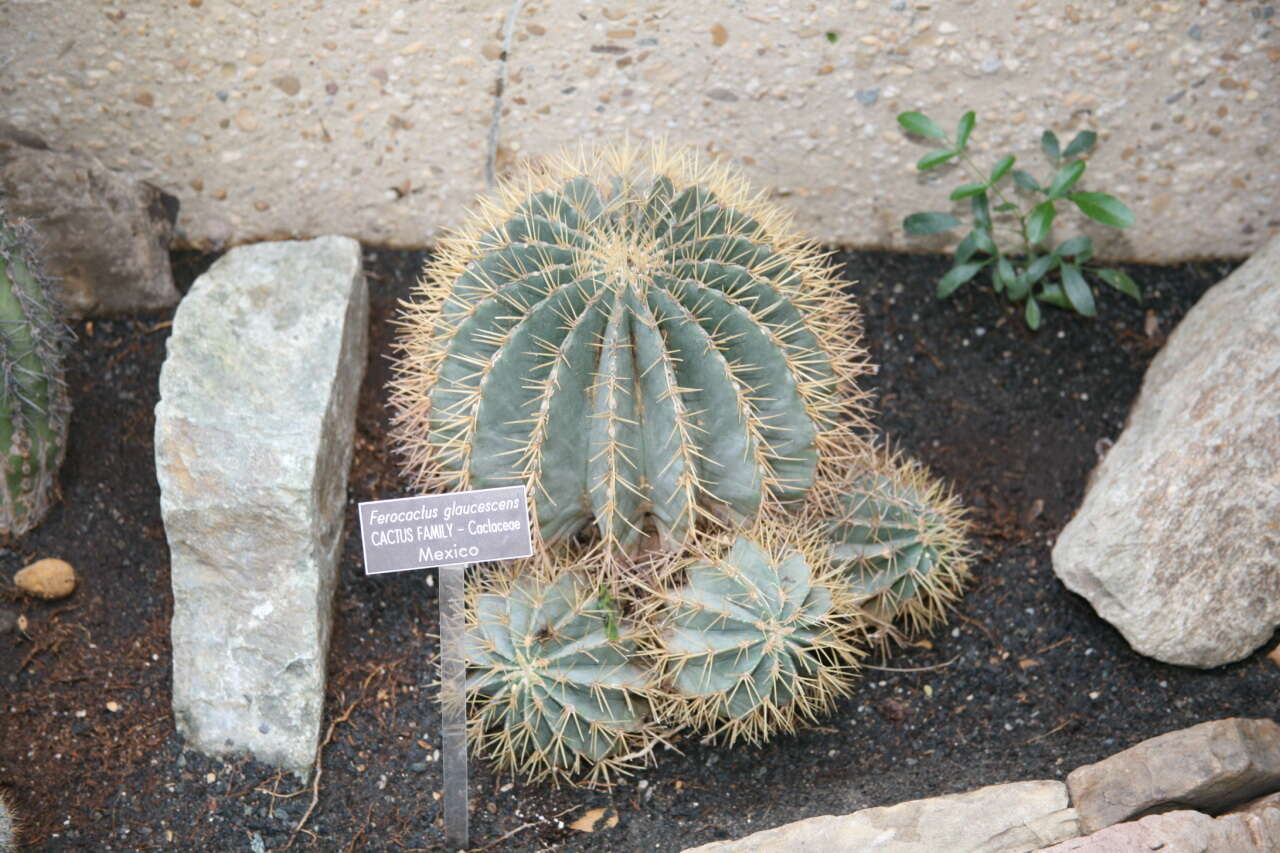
(867, 97)
(418, 767)
(48, 578)
(113, 707)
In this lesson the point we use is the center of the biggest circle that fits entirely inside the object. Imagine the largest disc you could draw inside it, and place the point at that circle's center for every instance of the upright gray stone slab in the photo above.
(254, 435)
(1176, 543)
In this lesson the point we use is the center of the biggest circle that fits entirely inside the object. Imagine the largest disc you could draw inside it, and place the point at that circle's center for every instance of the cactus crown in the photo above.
(637, 338)
(757, 639)
(899, 536)
(34, 404)
(551, 677)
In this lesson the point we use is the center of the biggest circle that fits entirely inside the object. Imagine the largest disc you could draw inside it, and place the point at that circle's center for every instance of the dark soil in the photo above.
(1026, 683)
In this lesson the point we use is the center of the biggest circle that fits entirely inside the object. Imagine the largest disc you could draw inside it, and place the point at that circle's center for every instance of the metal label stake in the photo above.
(451, 531)
(453, 705)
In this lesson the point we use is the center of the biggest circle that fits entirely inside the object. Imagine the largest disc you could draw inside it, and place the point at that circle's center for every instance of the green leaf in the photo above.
(1039, 267)
(1004, 277)
(1025, 181)
(1066, 178)
(1040, 221)
(1033, 313)
(957, 276)
(1078, 290)
(982, 239)
(1121, 282)
(832, 37)
(1103, 208)
(1055, 295)
(929, 223)
(1002, 167)
(920, 123)
(981, 211)
(935, 158)
(1049, 142)
(967, 247)
(1082, 144)
(966, 190)
(1006, 207)
(1075, 246)
(964, 128)
(1018, 288)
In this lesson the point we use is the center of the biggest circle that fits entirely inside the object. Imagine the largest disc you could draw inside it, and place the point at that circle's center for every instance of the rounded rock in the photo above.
(49, 578)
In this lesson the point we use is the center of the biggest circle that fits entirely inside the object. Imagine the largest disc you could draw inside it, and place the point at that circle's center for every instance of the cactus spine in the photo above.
(639, 339)
(34, 405)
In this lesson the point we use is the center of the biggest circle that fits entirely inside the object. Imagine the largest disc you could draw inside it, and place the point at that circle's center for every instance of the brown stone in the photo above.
(1212, 766)
(48, 578)
(1183, 832)
(105, 236)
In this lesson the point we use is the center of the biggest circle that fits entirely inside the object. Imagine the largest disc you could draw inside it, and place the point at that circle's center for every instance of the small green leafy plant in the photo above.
(1030, 269)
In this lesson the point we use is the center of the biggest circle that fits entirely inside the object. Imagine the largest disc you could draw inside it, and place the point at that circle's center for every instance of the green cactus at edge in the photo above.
(760, 636)
(641, 341)
(899, 536)
(34, 405)
(552, 679)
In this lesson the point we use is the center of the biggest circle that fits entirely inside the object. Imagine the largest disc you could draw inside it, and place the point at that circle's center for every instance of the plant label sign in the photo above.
(441, 530)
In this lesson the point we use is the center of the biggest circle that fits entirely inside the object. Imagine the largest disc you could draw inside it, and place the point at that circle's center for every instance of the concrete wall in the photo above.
(377, 119)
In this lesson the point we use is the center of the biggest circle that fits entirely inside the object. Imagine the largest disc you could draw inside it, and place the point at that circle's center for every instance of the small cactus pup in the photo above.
(760, 636)
(8, 828)
(34, 405)
(552, 684)
(638, 338)
(898, 534)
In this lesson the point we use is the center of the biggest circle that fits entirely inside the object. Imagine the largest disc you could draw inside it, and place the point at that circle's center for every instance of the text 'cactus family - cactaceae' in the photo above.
(552, 678)
(34, 405)
(637, 338)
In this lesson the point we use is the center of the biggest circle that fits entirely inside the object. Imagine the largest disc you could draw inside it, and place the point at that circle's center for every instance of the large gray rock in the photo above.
(1176, 543)
(1013, 818)
(104, 236)
(254, 435)
(1212, 766)
(1183, 832)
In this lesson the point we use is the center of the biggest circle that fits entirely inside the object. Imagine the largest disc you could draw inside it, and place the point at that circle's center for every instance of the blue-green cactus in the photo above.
(757, 638)
(639, 339)
(552, 680)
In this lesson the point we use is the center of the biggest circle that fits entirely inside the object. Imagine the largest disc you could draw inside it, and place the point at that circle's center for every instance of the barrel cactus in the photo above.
(759, 637)
(552, 682)
(898, 534)
(34, 405)
(638, 338)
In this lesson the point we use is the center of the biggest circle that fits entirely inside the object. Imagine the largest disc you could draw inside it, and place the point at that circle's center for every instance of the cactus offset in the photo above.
(34, 405)
(637, 338)
(551, 683)
(899, 536)
(761, 636)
